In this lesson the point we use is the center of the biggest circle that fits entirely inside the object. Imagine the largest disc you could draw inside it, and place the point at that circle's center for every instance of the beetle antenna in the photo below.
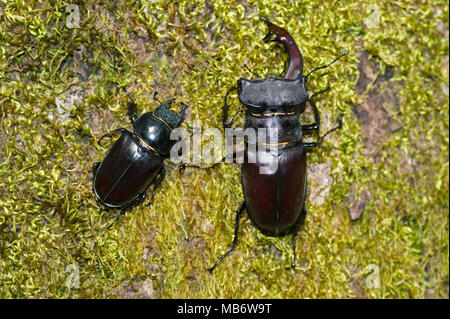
(344, 52)
(253, 73)
(116, 219)
(155, 98)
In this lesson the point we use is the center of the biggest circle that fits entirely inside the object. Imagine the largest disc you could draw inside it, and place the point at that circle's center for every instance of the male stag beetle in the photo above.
(136, 160)
(275, 200)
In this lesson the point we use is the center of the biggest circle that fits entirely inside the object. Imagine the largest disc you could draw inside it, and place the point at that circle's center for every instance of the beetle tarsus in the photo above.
(158, 181)
(95, 167)
(294, 235)
(182, 167)
(284, 69)
(235, 238)
(294, 250)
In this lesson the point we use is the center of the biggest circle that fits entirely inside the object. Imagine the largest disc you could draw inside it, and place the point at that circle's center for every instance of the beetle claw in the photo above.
(280, 35)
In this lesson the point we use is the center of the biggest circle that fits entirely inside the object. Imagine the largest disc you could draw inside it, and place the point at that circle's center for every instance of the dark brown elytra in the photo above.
(275, 200)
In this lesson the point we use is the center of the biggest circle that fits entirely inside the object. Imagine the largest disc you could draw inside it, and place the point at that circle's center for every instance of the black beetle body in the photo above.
(136, 160)
(275, 200)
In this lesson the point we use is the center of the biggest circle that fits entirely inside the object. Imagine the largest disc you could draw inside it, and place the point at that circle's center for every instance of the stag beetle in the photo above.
(135, 161)
(275, 201)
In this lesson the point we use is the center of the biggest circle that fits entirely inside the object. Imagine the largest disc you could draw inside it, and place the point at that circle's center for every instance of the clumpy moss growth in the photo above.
(378, 202)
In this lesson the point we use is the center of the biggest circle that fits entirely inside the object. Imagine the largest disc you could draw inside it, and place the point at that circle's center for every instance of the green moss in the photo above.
(195, 51)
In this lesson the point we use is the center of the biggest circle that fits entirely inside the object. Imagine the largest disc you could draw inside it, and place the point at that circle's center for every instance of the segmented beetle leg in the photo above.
(294, 236)
(116, 219)
(223, 160)
(110, 134)
(294, 250)
(314, 126)
(157, 182)
(225, 108)
(95, 167)
(184, 166)
(235, 238)
(333, 129)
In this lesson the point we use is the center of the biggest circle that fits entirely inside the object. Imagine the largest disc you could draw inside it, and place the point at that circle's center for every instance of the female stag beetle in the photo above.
(135, 161)
(275, 199)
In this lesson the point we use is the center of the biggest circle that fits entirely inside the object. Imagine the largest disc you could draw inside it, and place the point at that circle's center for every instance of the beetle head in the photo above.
(169, 115)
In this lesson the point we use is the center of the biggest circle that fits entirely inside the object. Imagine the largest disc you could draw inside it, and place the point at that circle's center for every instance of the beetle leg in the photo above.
(294, 235)
(319, 142)
(183, 166)
(223, 160)
(235, 238)
(228, 123)
(95, 167)
(314, 126)
(111, 134)
(158, 180)
(134, 203)
(333, 129)
(225, 109)
(122, 212)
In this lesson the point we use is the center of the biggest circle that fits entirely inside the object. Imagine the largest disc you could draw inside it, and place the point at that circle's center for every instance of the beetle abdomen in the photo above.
(274, 199)
(127, 171)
